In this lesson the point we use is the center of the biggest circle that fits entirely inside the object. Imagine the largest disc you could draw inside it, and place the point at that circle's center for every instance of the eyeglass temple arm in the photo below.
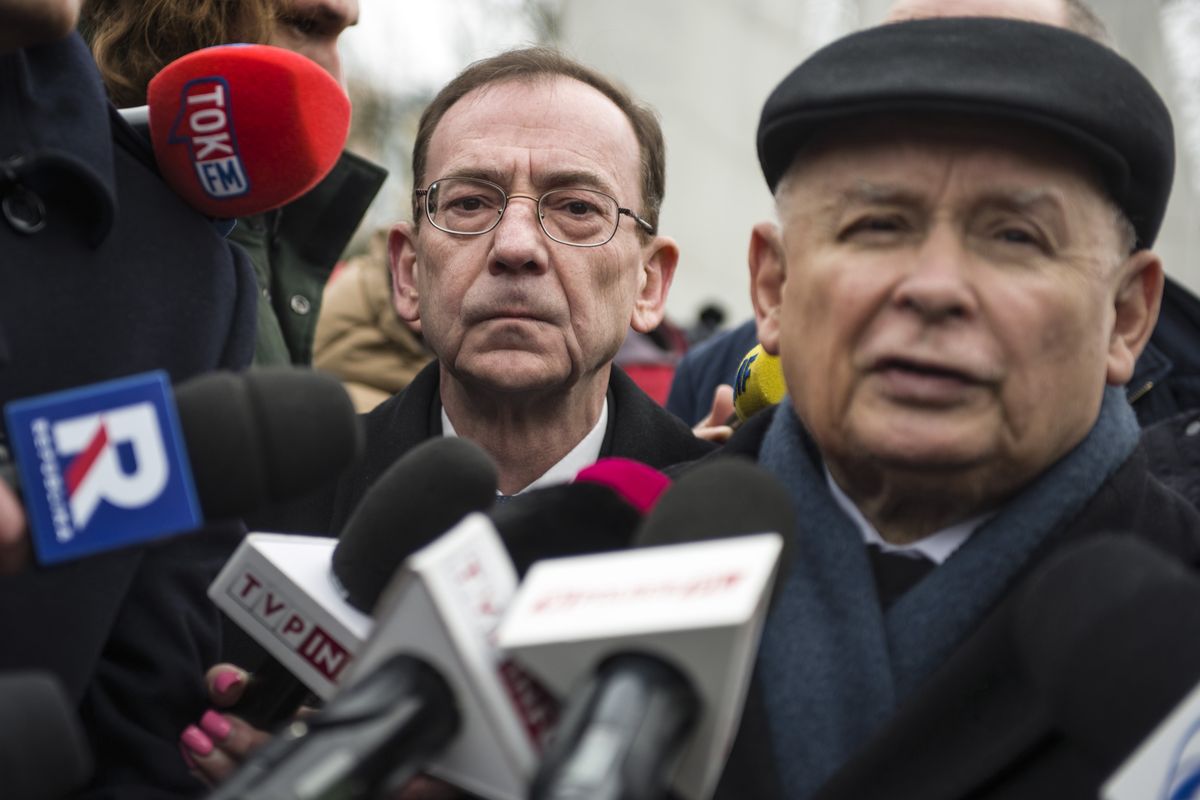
(646, 226)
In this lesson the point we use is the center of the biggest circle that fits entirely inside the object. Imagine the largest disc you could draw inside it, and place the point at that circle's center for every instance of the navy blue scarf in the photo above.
(833, 665)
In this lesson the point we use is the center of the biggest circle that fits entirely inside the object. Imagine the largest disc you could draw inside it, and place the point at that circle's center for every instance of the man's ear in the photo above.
(659, 259)
(1137, 301)
(768, 270)
(402, 261)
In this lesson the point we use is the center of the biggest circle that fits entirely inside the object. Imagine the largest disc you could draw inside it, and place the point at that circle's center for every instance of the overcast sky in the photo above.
(400, 45)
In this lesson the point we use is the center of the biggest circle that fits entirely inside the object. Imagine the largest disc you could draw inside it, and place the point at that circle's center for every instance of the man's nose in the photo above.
(937, 283)
(518, 241)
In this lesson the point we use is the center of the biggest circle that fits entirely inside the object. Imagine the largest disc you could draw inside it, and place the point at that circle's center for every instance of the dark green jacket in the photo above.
(294, 249)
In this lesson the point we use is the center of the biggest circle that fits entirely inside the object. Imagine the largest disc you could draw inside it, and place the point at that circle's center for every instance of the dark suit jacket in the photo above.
(123, 278)
(638, 429)
(1166, 378)
(978, 728)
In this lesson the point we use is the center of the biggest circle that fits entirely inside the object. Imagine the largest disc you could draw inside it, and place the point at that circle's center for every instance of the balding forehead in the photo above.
(1049, 12)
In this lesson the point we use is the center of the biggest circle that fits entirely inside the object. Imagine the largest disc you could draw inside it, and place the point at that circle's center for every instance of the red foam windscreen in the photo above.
(242, 129)
(638, 484)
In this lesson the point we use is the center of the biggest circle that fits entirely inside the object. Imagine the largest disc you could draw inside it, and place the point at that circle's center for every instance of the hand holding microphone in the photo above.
(759, 385)
(420, 496)
(717, 427)
(127, 461)
(437, 611)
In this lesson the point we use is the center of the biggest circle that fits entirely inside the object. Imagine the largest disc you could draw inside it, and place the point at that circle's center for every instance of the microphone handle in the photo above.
(272, 697)
(620, 739)
(378, 733)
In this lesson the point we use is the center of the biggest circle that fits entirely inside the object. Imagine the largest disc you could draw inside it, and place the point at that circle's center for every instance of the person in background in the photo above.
(708, 321)
(293, 248)
(360, 338)
(706, 370)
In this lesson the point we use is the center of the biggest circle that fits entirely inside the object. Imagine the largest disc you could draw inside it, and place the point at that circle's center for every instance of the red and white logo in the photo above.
(206, 126)
(276, 611)
(97, 473)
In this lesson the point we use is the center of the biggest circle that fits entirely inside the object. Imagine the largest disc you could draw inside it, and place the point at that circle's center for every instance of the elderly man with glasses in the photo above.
(533, 249)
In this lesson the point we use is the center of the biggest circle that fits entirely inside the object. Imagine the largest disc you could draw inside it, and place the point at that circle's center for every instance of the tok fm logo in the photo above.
(117, 456)
(205, 125)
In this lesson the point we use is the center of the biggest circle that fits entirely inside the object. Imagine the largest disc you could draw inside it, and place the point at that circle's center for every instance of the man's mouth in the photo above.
(925, 383)
(925, 369)
(507, 313)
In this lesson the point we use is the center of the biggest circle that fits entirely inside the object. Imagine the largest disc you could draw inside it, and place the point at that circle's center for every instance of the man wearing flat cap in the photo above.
(958, 286)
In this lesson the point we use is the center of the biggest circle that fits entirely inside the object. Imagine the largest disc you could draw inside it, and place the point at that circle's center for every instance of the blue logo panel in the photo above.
(102, 467)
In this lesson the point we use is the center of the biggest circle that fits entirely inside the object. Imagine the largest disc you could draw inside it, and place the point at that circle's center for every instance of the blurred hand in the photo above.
(25, 23)
(215, 747)
(14, 534)
(219, 742)
(714, 427)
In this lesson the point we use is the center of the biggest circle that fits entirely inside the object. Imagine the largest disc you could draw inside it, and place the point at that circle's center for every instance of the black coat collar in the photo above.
(47, 145)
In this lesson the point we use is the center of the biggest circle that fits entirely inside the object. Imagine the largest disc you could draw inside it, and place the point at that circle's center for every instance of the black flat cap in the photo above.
(1043, 76)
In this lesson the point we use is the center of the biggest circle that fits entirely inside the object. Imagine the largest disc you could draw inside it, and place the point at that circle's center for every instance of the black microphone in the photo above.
(724, 497)
(498, 710)
(416, 500)
(493, 712)
(265, 436)
(45, 756)
(625, 734)
(419, 497)
(251, 439)
(570, 519)
(1107, 631)
(349, 748)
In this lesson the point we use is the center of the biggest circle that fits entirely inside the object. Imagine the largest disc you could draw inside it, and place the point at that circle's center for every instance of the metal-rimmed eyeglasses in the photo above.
(473, 206)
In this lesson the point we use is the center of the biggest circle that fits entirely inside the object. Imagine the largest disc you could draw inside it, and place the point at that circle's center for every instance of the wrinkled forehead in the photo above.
(1047, 12)
(905, 143)
(549, 124)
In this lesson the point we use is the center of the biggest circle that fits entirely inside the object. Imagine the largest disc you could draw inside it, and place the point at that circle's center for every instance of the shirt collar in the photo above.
(584, 454)
(936, 547)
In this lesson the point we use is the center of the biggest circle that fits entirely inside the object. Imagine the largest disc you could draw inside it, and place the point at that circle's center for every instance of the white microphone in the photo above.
(444, 606)
(430, 691)
(306, 599)
(666, 635)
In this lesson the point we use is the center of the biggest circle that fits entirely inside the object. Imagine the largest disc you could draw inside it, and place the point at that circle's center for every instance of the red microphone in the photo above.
(242, 129)
(636, 483)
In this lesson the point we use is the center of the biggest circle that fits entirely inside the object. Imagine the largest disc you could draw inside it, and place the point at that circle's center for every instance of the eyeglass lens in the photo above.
(571, 216)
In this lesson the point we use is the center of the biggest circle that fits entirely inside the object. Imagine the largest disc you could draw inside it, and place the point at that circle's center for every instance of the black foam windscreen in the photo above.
(572, 519)
(427, 491)
(265, 436)
(721, 498)
(1109, 633)
(43, 753)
